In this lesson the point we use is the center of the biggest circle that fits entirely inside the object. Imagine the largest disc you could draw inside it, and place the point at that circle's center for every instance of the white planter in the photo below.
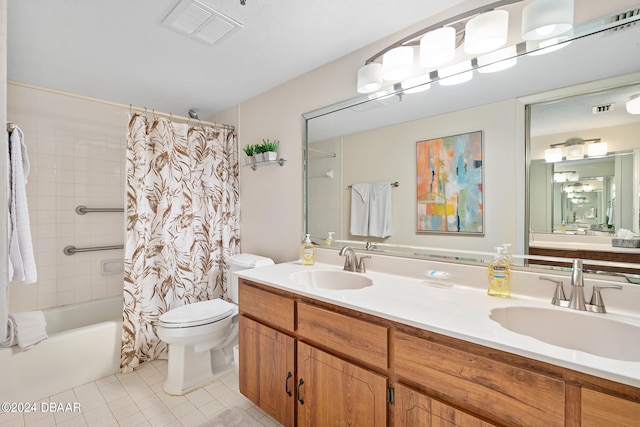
(249, 159)
(261, 157)
(271, 155)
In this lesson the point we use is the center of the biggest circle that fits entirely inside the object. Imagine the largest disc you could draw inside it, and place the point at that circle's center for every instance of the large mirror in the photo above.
(375, 140)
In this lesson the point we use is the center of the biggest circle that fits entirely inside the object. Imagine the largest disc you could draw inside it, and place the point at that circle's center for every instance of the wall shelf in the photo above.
(256, 165)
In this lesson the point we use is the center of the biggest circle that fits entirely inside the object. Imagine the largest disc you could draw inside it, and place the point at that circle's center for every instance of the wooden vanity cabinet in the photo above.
(481, 384)
(310, 363)
(412, 408)
(267, 355)
(334, 392)
(285, 370)
(599, 409)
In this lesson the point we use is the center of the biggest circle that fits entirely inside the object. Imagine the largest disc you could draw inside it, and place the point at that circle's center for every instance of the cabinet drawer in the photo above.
(496, 390)
(353, 337)
(599, 409)
(270, 308)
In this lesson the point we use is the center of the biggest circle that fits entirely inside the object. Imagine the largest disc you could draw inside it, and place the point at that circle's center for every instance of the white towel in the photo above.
(30, 327)
(22, 265)
(10, 339)
(360, 209)
(380, 210)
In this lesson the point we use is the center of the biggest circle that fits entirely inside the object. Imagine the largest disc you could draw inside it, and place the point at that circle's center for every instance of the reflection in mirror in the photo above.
(591, 194)
(364, 140)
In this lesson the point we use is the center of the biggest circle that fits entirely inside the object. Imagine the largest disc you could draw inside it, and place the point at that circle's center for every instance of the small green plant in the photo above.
(259, 148)
(249, 149)
(270, 145)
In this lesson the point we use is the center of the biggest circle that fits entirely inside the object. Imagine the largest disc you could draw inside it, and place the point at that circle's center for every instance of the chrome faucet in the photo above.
(576, 300)
(351, 260)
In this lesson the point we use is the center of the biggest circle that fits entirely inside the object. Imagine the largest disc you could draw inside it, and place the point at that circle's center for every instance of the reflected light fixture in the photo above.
(370, 77)
(486, 32)
(397, 63)
(542, 47)
(633, 104)
(417, 84)
(497, 61)
(437, 47)
(456, 74)
(597, 149)
(552, 155)
(543, 19)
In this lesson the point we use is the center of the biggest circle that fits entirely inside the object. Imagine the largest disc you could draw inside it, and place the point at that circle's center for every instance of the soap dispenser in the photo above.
(499, 274)
(307, 251)
(329, 240)
(507, 256)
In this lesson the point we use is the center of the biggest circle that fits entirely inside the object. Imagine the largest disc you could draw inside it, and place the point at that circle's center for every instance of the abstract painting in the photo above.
(449, 184)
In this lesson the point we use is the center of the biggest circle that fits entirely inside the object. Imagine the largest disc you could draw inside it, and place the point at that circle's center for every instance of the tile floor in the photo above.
(137, 399)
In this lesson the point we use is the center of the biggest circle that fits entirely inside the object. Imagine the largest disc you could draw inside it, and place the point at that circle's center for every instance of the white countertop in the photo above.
(457, 311)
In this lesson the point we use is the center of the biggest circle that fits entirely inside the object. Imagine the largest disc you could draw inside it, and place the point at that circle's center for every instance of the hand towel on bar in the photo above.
(11, 334)
(360, 209)
(30, 328)
(22, 265)
(380, 210)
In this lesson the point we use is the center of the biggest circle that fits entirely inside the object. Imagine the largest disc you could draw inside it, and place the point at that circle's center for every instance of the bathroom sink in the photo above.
(575, 330)
(331, 279)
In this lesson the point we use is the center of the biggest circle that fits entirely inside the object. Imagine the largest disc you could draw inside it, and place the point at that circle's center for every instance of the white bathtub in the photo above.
(83, 346)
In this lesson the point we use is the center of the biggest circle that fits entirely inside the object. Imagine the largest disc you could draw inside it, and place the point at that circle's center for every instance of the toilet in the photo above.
(201, 335)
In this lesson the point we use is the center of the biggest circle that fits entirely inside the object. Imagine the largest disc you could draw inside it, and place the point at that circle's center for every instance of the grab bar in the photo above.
(81, 210)
(70, 250)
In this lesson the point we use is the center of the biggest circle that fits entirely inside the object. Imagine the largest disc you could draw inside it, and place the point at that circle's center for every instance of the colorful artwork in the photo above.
(449, 184)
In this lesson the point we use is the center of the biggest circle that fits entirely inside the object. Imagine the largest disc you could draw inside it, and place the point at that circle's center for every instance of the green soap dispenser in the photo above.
(499, 274)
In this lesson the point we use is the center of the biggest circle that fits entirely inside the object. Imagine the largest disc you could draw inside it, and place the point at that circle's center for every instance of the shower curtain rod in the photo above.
(117, 104)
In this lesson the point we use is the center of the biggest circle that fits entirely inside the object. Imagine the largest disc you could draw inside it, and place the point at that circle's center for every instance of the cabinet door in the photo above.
(414, 409)
(599, 409)
(332, 392)
(266, 369)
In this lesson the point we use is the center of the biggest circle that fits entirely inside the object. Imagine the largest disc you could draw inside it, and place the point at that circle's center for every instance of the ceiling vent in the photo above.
(604, 108)
(625, 16)
(200, 21)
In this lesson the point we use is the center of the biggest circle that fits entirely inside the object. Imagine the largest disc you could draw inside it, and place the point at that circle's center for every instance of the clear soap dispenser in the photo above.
(499, 274)
(307, 251)
(329, 240)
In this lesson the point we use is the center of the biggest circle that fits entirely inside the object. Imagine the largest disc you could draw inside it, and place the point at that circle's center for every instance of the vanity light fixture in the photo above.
(370, 77)
(486, 32)
(633, 104)
(574, 149)
(437, 47)
(397, 63)
(543, 19)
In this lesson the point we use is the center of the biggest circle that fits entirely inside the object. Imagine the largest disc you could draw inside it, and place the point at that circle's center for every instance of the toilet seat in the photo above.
(197, 314)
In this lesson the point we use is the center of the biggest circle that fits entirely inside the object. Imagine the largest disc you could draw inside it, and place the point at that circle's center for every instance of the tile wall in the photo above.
(76, 148)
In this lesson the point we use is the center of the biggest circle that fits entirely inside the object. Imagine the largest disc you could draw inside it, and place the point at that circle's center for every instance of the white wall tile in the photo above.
(77, 153)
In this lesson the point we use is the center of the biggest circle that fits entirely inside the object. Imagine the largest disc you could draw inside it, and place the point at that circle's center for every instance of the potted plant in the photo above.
(271, 148)
(249, 150)
(259, 153)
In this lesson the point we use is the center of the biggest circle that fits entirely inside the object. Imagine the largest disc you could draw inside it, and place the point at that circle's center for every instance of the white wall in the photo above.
(4, 255)
(77, 152)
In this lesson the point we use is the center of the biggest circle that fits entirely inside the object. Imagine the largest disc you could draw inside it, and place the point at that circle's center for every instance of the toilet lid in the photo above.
(198, 313)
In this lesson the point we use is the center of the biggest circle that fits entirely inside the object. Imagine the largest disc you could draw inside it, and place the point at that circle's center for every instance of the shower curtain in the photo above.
(182, 225)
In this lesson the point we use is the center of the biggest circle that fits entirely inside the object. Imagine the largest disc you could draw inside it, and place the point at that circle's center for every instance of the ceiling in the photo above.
(118, 50)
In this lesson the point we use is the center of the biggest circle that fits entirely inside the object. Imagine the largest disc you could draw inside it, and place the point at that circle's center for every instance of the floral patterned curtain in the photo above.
(182, 224)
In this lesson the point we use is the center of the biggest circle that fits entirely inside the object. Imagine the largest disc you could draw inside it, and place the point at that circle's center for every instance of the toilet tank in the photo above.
(242, 262)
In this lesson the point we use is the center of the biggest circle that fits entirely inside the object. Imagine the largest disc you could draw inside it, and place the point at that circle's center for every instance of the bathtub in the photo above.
(83, 346)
